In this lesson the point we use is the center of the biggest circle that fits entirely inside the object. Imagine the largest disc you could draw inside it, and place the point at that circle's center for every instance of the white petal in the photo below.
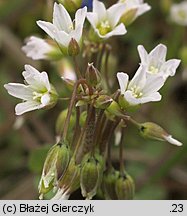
(173, 141)
(153, 84)
(143, 54)
(77, 33)
(80, 17)
(123, 79)
(151, 98)
(36, 48)
(62, 38)
(27, 107)
(18, 90)
(170, 67)
(45, 99)
(61, 18)
(115, 12)
(159, 53)
(93, 19)
(131, 99)
(100, 9)
(142, 9)
(45, 80)
(139, 78)
(48, 27)
(118, 30)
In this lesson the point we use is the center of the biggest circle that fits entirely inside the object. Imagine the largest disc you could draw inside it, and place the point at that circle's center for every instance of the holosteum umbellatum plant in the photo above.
(81, 157)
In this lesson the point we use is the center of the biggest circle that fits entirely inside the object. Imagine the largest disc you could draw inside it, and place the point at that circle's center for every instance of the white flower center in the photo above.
(153, 70)
(37, 96)
(104, 27)
(136, 92)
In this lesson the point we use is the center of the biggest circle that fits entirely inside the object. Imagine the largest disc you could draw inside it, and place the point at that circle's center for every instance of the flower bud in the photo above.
(103, 101)
(108, 185)
(54, 166)
(125, 187)
(91, 175)
(70, 181)
(128, 17)
(73, 48)
(92, 75)
(71, 5)
(61, 120)
(154, 131)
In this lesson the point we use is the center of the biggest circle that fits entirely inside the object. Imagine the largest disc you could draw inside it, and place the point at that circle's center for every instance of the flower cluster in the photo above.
(81, 157)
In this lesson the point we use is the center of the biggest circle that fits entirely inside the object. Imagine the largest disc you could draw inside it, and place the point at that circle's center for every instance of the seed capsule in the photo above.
(125, 187)
(108, 185)
(91, 175)
(54, 166)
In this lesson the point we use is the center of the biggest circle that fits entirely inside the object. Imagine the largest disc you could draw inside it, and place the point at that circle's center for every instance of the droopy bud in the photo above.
(92, 75)
(128, 17)
(108, 185)
(91, 175)
(103, 102)
(71, 5)
(61, 120)
(125, 187)
(73, 48)
(154, 131)
(70, 181)
(54, 166)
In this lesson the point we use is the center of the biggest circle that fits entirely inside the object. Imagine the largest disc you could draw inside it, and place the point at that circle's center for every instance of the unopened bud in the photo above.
(103, 101)
(70, 181)
(91, 175)
(108, 185)
(125, 187)
(55, 165)
(73, 48)
(128, 17)
(71, 5)
(92, 75)
(154, 131)
(61, 121)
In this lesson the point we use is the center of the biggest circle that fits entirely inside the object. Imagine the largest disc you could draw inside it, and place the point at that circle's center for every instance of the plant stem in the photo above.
(121, 156)
(77, 70)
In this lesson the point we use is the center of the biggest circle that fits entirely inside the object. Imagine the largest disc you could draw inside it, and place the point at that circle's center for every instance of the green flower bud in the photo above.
(125, 187)
(103, 101)
(54, 167)
(70, 181)
(115, 109)
(154, 131)
(71, 5)
(128, 17)
(61, 120)
(91, 175)
(109, 182)
(73, 48)
(92, 75)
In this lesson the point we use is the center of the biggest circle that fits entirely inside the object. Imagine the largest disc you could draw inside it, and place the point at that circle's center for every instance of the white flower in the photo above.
(133, 9)
(105, 21)
(37, 48)
(155, 62)
(141, 89)
(36, 94)
(63, 29)
(178, 13)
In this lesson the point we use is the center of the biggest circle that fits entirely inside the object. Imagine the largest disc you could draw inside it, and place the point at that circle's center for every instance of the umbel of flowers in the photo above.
(81, 156)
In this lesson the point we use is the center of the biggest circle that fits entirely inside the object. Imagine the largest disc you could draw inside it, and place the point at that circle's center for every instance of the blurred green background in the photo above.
(159, 169)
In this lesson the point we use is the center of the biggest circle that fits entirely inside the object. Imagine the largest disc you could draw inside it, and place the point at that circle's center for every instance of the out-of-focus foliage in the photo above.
(159, 170)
